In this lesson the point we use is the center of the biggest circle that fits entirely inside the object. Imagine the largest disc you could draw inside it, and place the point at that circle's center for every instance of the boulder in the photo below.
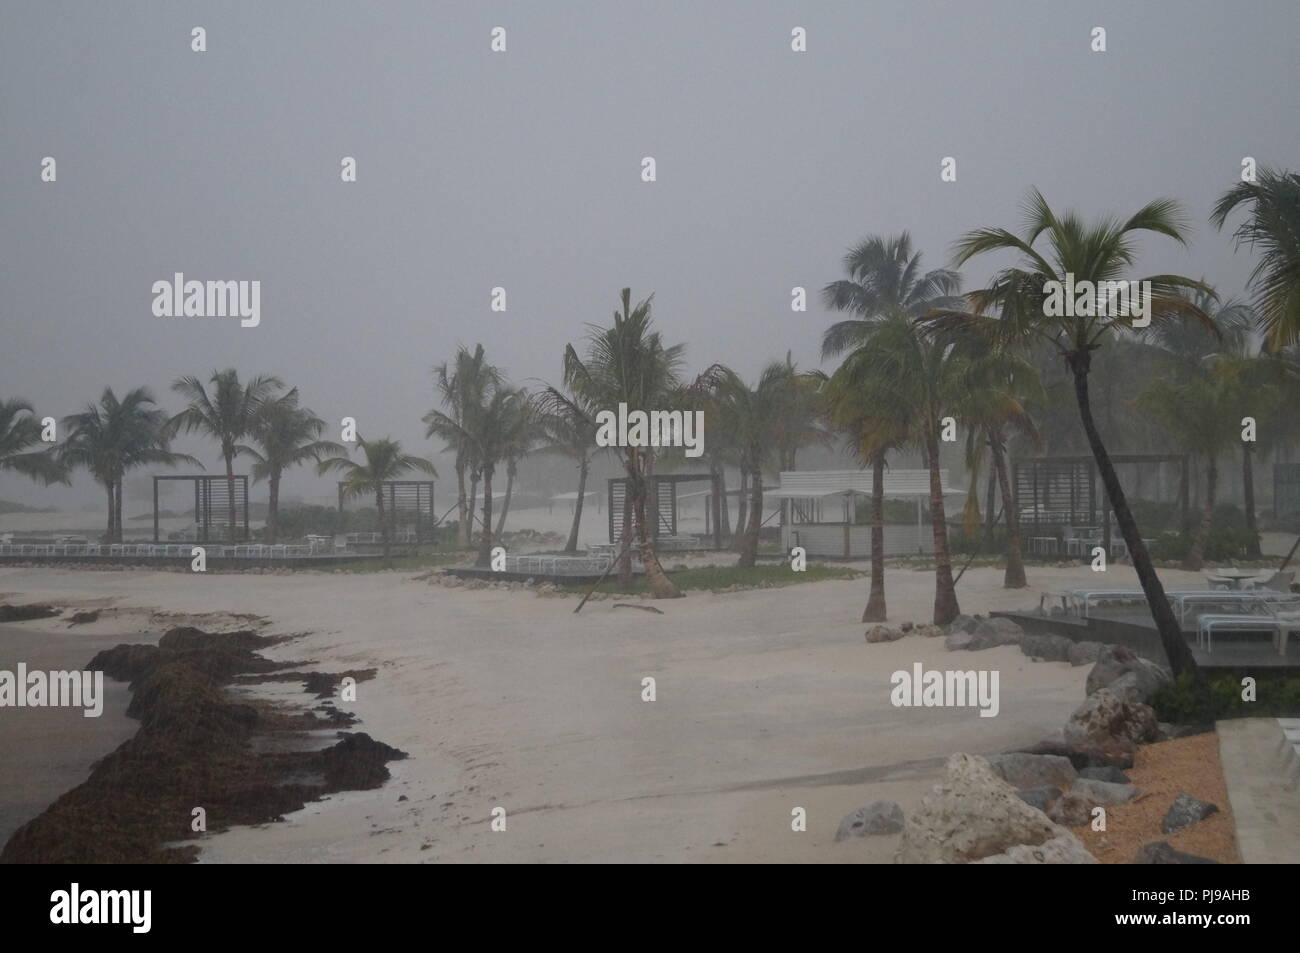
(1048, 648)
(973, 814)
(878, 817)
(1166, 731)
(1185, 811)
(1103, 792)
(963, 623)
(884, 633)
(1111, 774)
(1115, 662)
(1043, 798)
(958, 641)
(1072, 810)
(906, 627)
(1161, 852)
(1059, 850)
(1084, 653)
(1022, 770)
(994, 632)
(929, 631)
(1088, 754)
(1106, 718)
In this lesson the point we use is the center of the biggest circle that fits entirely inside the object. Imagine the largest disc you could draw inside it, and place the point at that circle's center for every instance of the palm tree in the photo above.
(227, 415)
(571, 431)
(627, 363)
(287, 435)
(1075, 250)
(112, 437)
(464, 387)
(523, 432)
(384, 462)
(19, 429)
(886, 286)
(498, 430)
(1272, 228)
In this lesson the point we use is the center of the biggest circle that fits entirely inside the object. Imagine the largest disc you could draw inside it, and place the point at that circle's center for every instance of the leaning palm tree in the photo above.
(286, 435)
(464, 386)
(384, 462)
(1272, 228)
(1013, 311)
(19, 430)
(227, 415)
(627, 363)
(571, 432)
(522, 436)
(114, 436)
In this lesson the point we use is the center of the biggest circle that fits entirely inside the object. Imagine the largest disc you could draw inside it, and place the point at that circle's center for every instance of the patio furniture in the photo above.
(1279, 581)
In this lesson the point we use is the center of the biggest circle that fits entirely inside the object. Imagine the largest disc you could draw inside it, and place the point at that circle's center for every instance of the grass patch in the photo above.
(715, 578)
(1184, 702)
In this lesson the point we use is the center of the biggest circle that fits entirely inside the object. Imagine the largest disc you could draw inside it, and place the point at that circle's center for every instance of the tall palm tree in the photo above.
(227, 415)
(523, 432)
(499, 430)
(463, 386)
(887, 286)
(1011, 310)
(570, 431)
(628, 363)
(286, 435)
(384, 462)
(1273, 229)
(19, 430)
(114, 436)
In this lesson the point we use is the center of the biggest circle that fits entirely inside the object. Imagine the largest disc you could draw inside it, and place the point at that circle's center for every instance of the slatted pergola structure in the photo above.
(661, 503)
(408, 504)
(212, 506)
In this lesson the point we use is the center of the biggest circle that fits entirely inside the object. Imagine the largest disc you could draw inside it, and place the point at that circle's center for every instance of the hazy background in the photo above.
(522, 169)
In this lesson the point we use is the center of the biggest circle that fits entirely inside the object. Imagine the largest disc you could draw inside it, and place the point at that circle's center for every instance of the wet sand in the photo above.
(46, 751)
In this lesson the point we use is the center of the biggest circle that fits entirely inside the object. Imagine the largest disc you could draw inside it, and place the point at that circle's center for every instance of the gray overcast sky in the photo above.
(522, 170)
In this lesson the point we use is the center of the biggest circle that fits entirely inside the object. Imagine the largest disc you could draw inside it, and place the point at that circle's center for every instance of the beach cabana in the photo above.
(821, 515)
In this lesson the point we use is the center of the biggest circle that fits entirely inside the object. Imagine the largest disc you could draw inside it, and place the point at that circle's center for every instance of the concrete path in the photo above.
(1265, 807)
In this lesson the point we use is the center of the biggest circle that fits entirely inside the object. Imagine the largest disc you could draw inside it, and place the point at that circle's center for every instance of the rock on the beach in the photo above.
(1115, 662)
(1105, 717)
(878, 817)
(994, 632)
(929, 631)
(1088, 754)
(1022, 770)
(1044, 798)
(1107, 773)
(958, 641)
(1084, 653)
(884, 633)
(1104, 792)
(1185, 811)
(1049, 648)
(963, 623)
(1071, 810)
(973, 814)
(1059, 850)
(1162, 852)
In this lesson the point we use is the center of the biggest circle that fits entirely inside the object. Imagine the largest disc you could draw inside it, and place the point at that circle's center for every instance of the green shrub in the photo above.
(1184, 702)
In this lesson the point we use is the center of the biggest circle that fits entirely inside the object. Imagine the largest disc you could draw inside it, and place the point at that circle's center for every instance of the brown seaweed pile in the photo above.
(194, 749)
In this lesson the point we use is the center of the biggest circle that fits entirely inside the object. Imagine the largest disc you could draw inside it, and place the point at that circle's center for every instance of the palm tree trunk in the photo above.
(945, 590)
(230, 491)
(462, 509)
(117, 511)
(473, 505)
(273, 508)
(108, 533)
(749, 545)
(1248, 492)
(1196, 555)
(724, 508)
(383, 521)
(1171, 632)
(875, 610)
(661, 587)
(572, 545)
(625, 538)
(505, 504)
(485, 538)
(742, 510)
(1014, 577)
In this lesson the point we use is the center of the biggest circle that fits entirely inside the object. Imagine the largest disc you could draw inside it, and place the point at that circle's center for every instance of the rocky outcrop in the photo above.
(884, 633)
(1058, 850)
(1186, 811)
(1046, 648)
(974, 815)
(1128, 675)
(1084, 653)
(994, 632)
(1021, 770)
(1106, 718)
(1088, 754)
(878, 817)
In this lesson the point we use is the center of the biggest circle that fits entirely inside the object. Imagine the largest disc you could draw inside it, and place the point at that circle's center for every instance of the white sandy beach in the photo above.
(767, 700)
